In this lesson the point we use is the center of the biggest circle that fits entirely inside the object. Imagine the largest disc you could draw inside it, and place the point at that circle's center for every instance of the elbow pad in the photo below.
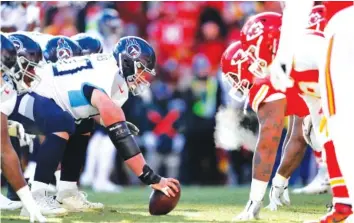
(123, 140)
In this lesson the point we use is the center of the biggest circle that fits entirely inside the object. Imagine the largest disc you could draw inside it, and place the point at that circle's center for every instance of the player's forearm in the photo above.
(291, 120)
(294, 150)
(265, 154)
(136, 164)
(294, 153)
(10, 166)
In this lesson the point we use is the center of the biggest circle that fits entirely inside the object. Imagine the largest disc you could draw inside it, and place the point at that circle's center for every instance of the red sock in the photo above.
(339, 189)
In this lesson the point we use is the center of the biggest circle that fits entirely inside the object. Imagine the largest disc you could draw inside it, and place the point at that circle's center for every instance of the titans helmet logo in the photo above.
(17, 43)
(64, 51)
(133, 49)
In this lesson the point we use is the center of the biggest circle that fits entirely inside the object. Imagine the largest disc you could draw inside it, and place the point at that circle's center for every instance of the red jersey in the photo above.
(263, 92)
(332, 7)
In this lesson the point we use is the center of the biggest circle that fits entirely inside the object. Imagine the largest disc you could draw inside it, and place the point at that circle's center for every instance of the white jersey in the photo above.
(8, 95)
(305, 74)
(64, 81)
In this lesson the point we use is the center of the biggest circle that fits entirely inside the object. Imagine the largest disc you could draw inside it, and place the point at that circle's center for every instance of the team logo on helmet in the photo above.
(17, 43)
(315, 19)
(64, 51)
(133, 49)
(254, 31)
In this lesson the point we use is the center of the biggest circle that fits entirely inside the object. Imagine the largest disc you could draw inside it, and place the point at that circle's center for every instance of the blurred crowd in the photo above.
(177, 117)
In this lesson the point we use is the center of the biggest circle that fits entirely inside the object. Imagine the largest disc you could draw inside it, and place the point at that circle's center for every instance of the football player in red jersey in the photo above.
(271, 107)
(260, 38)
(336, 67)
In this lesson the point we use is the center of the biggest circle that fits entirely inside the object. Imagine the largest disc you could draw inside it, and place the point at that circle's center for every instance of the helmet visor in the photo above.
(24, 76)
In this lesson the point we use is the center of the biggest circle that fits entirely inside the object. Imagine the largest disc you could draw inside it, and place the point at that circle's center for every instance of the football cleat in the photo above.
(9, 205)
(47, 205)
(319, 185)
(250, 212)
(76, 201)
(340, 213)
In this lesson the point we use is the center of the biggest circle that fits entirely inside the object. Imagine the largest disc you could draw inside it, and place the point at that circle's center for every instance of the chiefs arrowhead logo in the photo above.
(239, 57)
(64, 51)
(315, 19)
(133, 49)
(254, 31)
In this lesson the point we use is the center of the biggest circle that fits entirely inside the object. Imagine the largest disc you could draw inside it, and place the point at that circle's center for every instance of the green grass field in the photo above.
(197, 204)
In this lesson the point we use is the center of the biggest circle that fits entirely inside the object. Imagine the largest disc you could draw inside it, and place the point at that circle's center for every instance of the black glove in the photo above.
(133, 129)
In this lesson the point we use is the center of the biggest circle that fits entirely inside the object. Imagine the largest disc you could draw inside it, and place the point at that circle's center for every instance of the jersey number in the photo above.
(310, 88)
(71, 67)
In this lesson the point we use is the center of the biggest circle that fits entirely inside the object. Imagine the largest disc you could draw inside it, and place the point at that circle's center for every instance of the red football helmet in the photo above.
(234, 67)
(317, 20)
(260, 37)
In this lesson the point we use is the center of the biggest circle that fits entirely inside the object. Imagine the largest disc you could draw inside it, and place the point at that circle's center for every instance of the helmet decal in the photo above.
(133, 49)
(255, 31)
(64, 51)
(17, 43)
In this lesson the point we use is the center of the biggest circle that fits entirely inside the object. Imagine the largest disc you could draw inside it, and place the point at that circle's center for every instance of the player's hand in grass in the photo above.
(250, 212)
(278, 196)
(167, 186)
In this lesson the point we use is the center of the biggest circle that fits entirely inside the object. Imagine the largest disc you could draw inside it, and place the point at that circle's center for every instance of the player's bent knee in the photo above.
(62, 123)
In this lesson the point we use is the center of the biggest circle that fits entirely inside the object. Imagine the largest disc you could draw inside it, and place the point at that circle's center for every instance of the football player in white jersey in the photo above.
(56, 124)
(97, 169)
(9, 161)
(96, 86)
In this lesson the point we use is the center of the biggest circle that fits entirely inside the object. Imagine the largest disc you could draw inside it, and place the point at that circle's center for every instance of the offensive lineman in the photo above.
(99, 86)
(9, 160)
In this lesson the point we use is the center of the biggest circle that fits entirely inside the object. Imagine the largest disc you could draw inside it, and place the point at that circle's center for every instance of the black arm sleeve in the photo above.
(123, 140)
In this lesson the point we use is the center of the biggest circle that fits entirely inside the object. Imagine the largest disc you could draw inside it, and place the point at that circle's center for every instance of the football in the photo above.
(160, 204)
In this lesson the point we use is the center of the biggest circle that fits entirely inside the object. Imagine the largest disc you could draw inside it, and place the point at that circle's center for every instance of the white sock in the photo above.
(258, 189)
(36, 185)
(279, 180)
(67, 185)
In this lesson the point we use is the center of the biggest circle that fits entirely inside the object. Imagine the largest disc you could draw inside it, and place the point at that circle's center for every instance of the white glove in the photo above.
(31, 206)
(27, 140)
(280, 75)
(250, 212)
(278, 196)
(20, 131)
(133, 128)
(36, 215)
